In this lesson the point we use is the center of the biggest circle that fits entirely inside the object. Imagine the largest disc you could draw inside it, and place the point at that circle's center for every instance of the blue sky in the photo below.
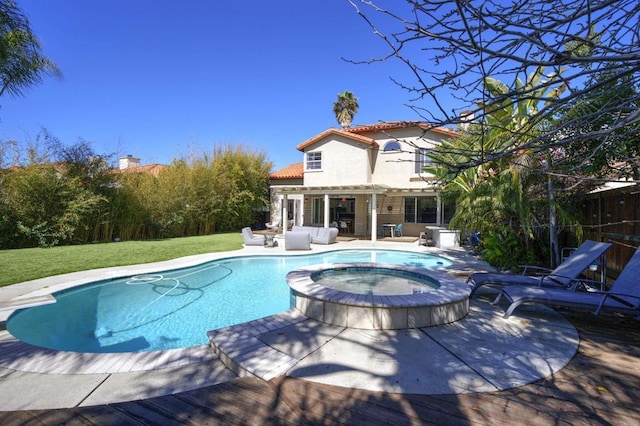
(160, 79)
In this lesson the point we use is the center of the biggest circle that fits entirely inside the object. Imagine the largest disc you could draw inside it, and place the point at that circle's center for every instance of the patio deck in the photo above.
(599, 386)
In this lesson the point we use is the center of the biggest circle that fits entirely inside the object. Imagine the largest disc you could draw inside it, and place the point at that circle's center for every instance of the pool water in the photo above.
(175, 309)
(377, 282)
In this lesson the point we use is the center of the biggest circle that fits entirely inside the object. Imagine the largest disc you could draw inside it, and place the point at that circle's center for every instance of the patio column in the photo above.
(326, 210)
(285, 216)
(374, 217)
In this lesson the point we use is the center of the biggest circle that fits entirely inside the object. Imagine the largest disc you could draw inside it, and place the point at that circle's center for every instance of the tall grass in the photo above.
(32, 263)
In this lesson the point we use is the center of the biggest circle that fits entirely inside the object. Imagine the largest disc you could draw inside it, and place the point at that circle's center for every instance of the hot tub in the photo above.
(378, 296)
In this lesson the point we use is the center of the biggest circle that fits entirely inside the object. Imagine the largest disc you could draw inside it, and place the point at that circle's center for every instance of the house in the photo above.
(362, 177)
(130, 164)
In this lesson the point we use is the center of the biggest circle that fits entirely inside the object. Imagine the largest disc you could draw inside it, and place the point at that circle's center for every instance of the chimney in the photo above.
(129, 162)
(466, 118)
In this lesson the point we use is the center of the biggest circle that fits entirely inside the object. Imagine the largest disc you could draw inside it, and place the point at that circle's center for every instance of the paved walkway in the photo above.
(483, 352)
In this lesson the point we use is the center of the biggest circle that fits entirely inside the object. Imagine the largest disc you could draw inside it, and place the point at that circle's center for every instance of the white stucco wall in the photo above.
(397, 169)
(344, 162)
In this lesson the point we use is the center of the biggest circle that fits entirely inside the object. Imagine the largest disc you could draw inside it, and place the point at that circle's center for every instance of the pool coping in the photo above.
(451, 288)
(241, 350)
(20, 356)
(448, 303)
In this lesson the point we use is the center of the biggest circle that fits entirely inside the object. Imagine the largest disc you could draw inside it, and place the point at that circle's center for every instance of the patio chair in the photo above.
(273, 226)
(566, 274)
(398, 231)
(250, 239)
(622, 297)
(344, 227)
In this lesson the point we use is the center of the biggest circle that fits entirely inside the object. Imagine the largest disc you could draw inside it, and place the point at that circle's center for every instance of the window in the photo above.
(420, 209)
(422, 159)
(314, 160)
(392, 146)
(425, 210)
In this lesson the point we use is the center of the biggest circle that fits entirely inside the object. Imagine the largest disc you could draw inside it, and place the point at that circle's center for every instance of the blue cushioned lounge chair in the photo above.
(623, 296)
(564, 275)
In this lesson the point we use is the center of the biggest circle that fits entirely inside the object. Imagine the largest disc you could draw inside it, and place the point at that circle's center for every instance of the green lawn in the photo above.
(29, 264)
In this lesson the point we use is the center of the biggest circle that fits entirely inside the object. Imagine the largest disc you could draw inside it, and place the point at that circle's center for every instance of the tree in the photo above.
(46, 206)
(496, 195)
(345, 108)
(616, 154)
(22, 63)
(452, 47)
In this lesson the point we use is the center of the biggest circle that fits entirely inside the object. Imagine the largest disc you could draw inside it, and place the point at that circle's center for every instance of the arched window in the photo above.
(392, 146)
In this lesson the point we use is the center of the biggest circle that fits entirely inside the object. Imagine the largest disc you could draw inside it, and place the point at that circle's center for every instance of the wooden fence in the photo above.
(614, 216)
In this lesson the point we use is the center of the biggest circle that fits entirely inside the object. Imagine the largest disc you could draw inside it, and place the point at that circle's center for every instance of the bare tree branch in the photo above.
(452, 47)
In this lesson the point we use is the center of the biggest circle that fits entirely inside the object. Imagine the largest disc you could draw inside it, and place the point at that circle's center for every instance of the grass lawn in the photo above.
(30, 264)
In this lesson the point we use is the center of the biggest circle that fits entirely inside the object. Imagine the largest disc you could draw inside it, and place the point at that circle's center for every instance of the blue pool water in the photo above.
(175, 309)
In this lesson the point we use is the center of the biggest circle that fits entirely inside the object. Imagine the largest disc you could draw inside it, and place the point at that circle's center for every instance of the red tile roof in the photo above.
(296, 171)
(392, 125)
(354, 133)
(339, 132)
(292, 171)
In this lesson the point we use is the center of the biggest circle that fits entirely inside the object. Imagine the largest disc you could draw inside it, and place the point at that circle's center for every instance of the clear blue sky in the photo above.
(158, 79)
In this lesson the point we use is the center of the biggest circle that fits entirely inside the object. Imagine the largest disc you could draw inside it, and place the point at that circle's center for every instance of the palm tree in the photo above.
(345, 108)
(495, 192)
(21, 63)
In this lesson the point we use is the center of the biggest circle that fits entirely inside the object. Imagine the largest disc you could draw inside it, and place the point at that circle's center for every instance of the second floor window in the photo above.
(422, 159)
(314, 160)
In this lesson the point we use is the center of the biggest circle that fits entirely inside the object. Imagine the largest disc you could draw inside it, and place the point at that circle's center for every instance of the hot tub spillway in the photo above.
(448, 300)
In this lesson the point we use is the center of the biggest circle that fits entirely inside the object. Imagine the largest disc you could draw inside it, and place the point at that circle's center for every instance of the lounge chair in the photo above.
(623, 297)
(250, 239)
(564, 275)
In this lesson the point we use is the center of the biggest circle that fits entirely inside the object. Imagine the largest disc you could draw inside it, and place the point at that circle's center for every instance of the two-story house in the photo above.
(361, 178)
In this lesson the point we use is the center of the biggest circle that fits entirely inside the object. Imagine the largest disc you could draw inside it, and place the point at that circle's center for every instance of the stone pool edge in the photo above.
(449, 303)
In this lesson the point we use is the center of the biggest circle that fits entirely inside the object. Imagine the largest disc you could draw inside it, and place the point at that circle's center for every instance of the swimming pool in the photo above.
(175, 309)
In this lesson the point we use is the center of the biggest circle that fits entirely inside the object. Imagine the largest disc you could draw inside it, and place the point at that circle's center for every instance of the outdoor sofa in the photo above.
(317, 234)
(297, 240)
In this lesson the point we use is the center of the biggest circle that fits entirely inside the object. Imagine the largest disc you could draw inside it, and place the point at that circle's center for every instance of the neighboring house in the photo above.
(130, 164)
(363, 177)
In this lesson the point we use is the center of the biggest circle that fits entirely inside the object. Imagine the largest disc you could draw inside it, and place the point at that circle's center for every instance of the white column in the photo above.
(295, 210)
(374, 217)
(326, 210)
(285, 216)
(438, 210)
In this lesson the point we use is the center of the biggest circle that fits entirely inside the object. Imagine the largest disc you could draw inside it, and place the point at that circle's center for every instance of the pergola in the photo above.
(371, 190)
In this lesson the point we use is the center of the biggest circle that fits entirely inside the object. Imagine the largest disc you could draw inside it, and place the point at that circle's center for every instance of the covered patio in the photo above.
(367, 211)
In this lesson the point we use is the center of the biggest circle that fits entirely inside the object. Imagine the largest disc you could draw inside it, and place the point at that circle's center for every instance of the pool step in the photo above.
(241, 350)
(26, 302)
